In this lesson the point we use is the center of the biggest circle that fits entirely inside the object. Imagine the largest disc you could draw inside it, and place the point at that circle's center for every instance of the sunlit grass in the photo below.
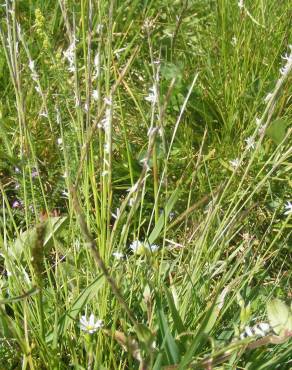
(145, 185)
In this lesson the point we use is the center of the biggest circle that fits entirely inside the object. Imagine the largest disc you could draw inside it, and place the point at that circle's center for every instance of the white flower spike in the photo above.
(90, 326)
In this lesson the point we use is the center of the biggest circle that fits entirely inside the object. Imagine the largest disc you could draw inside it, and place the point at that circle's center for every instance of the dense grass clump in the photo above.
(145, 184)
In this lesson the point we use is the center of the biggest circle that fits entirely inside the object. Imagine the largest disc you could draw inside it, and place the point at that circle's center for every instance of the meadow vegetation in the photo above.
(145, 184)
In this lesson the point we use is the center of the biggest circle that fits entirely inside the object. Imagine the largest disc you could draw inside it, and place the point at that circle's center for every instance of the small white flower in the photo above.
(234, 41)
(65, 194)
(99, 28)
(258, 121)
(285, 70)
(171, 216)
(153, 248)
(136, 245)
(59, 141)
(250, 143)
(34, 173)
(235, 163)
(90, 326)
(17, 204)
(38, 90)
(288, 57)
(288, 207)
(118, 255)
(69, 54)
(247, 237)
(262, 129)
(43, 114)
(153, 96)
(9, 273)
(139, 247)
(72, 68)
(95, 95)
(241, 4)
(108, 100)
(106, 121)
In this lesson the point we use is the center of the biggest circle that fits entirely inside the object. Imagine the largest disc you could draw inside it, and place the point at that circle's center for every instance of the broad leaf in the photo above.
(280, 316)
(277, 130)
(53, 225)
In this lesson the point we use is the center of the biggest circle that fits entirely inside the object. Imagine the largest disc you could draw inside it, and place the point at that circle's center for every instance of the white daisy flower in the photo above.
(90, 326)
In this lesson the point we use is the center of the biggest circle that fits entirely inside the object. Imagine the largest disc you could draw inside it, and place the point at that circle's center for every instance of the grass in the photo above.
(160, 131)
